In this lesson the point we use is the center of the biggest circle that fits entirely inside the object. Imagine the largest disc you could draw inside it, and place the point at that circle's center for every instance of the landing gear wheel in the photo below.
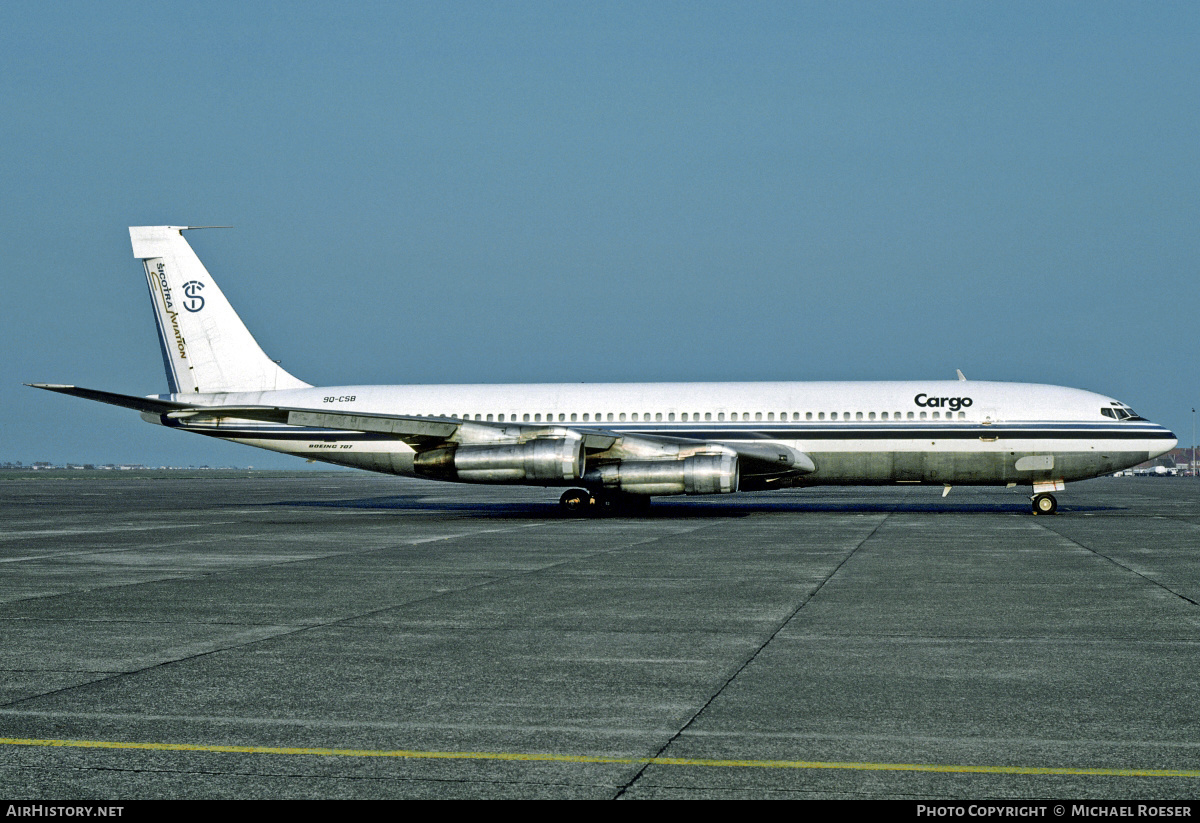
(1044, 504)
(577, 501)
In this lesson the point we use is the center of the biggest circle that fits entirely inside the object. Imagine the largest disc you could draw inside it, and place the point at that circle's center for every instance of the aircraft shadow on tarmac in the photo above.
(677, 508)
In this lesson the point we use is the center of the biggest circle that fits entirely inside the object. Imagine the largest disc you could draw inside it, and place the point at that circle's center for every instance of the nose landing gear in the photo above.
(1044, 504)
(1043, 500)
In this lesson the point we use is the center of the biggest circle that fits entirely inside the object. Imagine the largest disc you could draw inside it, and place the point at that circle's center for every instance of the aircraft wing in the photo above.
(427, 433)
(423, 433)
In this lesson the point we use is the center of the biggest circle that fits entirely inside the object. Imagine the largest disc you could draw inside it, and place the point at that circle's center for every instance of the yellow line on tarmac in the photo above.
(579, 758)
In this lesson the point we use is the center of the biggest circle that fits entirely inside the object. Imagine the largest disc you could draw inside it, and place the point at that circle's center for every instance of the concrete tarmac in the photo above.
(346, 635)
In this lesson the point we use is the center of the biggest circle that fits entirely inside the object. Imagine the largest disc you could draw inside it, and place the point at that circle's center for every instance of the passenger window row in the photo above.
(615, 417)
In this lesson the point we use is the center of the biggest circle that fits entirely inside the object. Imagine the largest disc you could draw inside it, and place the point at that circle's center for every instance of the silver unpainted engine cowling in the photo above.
(549, 460)
(702, 474)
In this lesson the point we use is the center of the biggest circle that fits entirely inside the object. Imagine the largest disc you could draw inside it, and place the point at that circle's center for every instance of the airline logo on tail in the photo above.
(194, 301)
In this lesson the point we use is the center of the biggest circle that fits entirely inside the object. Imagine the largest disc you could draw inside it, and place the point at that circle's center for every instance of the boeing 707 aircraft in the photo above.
(614, 445)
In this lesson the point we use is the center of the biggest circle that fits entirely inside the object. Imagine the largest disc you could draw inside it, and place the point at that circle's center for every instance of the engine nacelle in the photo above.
(549, 460)
(702, 474)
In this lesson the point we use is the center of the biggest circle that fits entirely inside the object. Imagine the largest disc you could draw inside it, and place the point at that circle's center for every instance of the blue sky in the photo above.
(512, 192)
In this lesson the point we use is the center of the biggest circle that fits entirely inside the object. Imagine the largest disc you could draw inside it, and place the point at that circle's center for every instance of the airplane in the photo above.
(616, 445)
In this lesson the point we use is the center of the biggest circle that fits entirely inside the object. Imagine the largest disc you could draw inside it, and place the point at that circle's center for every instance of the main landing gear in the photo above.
(576, 501)
(584, 502)
(1044, 504)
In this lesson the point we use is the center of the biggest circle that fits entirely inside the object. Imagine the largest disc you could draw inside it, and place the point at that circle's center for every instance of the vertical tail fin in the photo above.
(205, 345)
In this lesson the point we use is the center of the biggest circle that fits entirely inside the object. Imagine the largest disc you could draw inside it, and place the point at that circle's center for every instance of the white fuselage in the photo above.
(944, 432)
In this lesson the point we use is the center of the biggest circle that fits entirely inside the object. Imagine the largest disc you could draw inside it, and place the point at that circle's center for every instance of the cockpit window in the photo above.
(1119, 411)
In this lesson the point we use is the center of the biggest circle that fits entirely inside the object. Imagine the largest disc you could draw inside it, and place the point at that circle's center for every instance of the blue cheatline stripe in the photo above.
(901, 433)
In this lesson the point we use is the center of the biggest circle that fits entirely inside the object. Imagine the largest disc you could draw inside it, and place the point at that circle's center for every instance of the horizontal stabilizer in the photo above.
(142, 404)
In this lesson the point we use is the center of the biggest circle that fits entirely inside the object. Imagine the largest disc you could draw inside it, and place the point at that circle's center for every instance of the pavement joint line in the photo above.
(409, 754)
(754, 654)
(1120, 565)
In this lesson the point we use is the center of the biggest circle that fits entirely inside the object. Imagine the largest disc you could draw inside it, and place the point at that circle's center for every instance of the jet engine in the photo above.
(551, 460)
(700, 474)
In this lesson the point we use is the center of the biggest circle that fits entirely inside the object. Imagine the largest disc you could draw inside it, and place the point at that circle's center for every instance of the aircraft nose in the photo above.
(1167, 435)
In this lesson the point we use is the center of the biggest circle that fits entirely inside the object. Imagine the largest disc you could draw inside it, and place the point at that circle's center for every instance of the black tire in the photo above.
(577, 501)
